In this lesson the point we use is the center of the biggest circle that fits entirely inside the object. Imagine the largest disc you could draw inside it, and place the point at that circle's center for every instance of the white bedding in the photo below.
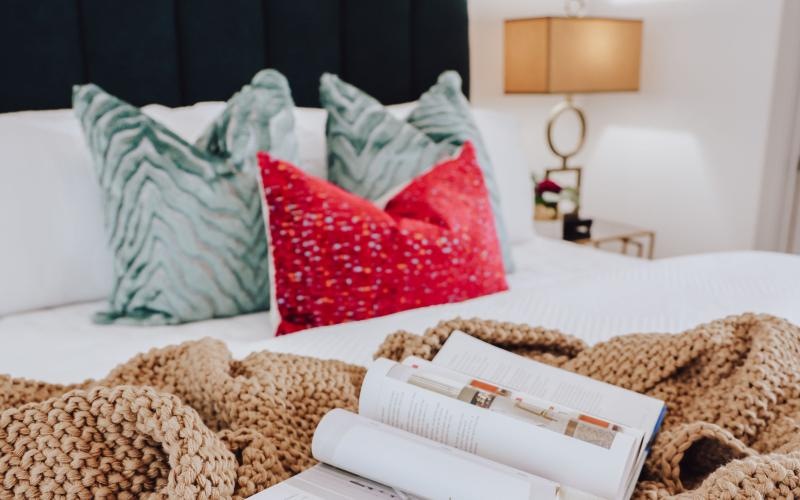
(588, 293)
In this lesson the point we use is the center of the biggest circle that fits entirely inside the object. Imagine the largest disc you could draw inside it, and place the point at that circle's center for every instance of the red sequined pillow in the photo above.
(338, 257)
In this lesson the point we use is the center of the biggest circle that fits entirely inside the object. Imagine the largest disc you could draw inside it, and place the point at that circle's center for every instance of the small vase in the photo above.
(545, 212)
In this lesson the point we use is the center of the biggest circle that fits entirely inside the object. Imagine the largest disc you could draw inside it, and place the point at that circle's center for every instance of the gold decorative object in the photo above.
(570, 55)
(563, 107)
(614, 236)
(543, 212)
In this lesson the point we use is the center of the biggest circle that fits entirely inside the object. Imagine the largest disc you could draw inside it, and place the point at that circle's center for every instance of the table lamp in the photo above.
(571, 55)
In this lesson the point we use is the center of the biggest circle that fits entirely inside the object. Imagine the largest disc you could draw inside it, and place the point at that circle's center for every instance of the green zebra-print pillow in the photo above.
(184, 221)
(370, 151)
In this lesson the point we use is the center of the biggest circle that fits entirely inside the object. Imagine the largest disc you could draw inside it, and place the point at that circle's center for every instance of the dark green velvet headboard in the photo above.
(177, 52)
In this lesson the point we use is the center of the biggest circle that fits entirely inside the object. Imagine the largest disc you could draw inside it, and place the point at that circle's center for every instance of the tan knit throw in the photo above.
(190, 422)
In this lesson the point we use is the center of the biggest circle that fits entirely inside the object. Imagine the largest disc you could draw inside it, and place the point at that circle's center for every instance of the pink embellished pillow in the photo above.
(338, 257)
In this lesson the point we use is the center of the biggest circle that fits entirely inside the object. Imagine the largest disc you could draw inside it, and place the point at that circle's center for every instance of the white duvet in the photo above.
(590, 294)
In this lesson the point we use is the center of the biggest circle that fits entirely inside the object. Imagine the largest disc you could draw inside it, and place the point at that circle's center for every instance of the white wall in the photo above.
(685, 154)
(780, 186)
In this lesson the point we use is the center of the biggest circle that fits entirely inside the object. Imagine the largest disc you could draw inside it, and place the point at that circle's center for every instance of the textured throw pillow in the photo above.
(337, 257)
(371, 152)
(184, 221)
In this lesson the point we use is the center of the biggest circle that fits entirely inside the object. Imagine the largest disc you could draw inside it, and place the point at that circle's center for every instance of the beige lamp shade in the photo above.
(567, 55)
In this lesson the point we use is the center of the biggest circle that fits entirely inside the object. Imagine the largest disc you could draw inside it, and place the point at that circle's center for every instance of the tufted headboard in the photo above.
(178, 52)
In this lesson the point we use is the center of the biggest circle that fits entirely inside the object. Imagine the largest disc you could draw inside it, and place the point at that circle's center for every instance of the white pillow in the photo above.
(188, 122)
(501, 133)
(309, 125)
(51, 216)
(191, 121)
(54, 247)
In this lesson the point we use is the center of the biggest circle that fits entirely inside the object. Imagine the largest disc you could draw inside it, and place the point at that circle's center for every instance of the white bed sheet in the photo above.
(540, 261)
(581, 291)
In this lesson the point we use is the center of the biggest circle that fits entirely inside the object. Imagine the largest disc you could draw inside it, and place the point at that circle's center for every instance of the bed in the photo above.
(556, 289)
(393, 50)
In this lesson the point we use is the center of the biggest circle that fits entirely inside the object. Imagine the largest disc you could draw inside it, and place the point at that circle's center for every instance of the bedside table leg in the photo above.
(651, 246)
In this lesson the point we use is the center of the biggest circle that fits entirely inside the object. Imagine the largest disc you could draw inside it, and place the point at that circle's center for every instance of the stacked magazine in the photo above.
(479, 422)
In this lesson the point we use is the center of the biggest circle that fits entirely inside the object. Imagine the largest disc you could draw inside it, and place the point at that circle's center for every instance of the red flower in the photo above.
(547, 186)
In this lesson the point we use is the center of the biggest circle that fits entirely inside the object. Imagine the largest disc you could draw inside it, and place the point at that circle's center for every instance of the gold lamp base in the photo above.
(567, 105)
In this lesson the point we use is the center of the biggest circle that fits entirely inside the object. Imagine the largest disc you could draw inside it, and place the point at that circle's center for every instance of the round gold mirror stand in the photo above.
(561, 108)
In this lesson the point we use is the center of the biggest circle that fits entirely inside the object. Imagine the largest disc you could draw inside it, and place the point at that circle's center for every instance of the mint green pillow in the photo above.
(184, 221)
(370, 151)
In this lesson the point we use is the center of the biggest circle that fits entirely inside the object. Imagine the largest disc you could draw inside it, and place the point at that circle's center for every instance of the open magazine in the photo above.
(479, 422)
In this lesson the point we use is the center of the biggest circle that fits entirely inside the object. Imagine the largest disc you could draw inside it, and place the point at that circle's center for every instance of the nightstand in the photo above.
(607, 235)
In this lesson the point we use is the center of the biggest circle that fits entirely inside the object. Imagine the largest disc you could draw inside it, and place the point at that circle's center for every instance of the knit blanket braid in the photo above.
(188, 421)
(185, 421)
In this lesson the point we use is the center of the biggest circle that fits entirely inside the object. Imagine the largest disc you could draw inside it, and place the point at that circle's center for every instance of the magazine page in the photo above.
(324, 482)
(466, 354)
(553, 416)
(493, 423)
(559, 419)
(416, 465)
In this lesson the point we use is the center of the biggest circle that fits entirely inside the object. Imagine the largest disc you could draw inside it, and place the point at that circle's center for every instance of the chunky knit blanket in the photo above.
(190, 422)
